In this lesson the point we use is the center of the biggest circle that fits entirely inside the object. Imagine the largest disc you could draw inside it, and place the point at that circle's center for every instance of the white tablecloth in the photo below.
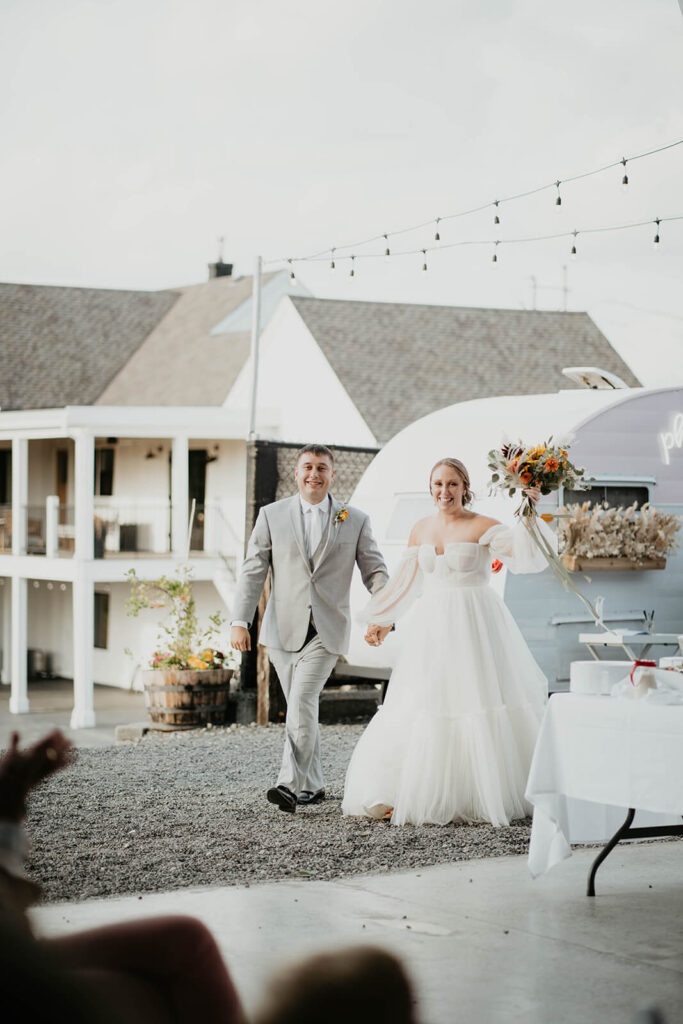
(605, 750)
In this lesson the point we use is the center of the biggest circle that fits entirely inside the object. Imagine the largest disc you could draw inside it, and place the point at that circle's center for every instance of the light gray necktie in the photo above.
(315, 530)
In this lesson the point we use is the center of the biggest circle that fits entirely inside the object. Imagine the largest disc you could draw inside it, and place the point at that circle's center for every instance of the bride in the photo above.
(454, 737)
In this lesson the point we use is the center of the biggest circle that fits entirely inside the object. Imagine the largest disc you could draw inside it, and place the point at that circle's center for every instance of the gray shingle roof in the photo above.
(62, 346)
(399, 362)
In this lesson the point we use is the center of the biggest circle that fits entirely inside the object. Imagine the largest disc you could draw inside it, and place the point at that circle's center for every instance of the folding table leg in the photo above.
(606, 850)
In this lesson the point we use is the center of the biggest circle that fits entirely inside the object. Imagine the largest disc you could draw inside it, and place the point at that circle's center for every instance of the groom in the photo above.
(311, 543)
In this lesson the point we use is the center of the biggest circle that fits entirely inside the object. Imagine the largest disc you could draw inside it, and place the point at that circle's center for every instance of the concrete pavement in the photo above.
(482, 940)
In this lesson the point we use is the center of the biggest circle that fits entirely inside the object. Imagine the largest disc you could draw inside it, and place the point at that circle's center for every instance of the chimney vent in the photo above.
(220, 269)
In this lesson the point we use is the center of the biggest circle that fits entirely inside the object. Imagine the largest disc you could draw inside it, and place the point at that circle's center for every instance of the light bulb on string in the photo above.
(352, 272)
(655, 240)
(496, 219)
(558, 201)
(624, 180)
(387, 251)
(437, 236)
(424, 258)
(572, 254)
(332, 263)
(494, 258)
(292, 275)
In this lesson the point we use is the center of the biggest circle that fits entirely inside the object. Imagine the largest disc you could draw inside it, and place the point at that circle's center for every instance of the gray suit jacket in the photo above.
(301, 588)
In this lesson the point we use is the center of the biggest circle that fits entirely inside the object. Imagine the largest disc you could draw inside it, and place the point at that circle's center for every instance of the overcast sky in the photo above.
(135, 132)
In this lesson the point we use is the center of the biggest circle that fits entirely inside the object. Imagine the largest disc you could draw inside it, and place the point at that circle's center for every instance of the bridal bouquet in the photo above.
(516, 466)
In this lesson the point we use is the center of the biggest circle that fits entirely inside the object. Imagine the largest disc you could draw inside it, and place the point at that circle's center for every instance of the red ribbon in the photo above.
(646, 664)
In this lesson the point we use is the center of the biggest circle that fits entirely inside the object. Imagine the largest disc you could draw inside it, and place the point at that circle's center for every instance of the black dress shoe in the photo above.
(306, 797)
(283, 798)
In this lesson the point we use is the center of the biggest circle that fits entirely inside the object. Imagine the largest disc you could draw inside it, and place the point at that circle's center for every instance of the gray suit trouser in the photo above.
(302, 675)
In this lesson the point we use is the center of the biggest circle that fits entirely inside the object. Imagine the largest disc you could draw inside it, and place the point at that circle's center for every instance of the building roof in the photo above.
(399, 362)
(181, 362)
(62, 346)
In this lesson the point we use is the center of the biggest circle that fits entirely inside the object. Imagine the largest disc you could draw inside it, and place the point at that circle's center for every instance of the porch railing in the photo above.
(121, 529)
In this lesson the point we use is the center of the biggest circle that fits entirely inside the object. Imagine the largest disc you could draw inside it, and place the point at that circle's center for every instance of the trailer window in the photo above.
(612, 495)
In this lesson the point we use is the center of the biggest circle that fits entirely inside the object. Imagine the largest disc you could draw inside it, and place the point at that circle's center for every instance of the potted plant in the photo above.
(602, 538)
(188, 680)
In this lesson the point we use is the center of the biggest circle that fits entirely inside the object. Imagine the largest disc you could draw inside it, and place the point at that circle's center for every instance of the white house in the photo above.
(119, 408)
(95, 491)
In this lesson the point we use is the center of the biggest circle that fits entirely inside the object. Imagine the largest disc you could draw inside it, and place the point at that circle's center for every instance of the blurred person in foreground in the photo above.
(359, 985)
(151, 971)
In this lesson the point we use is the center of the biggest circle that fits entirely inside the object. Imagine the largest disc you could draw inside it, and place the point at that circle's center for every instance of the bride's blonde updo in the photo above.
(456, 464)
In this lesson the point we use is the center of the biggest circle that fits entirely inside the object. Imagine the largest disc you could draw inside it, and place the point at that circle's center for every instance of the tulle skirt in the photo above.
(454, 738)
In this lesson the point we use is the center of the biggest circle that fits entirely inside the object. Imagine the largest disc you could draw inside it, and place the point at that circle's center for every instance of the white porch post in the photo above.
(19, 494)
(83, 714)
(18, 701)
(180, 485)
(84, 505)
(51, 521)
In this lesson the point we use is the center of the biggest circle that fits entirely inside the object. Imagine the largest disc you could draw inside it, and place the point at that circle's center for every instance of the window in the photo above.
(101, 620)
(104, 472)
(612, 495)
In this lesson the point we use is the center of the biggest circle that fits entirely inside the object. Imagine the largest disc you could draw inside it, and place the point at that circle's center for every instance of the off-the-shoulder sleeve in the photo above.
(398, 594)
(516, 548)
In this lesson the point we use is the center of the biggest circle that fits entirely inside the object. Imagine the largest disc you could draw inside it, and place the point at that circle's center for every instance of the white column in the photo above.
(51, 521)
(83, 714)
(18, 701)
(19, 494)
(6, 592)
(84, 504)
(180, 484)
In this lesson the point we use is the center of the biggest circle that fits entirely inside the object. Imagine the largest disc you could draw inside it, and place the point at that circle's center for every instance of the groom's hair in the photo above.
(315, 449)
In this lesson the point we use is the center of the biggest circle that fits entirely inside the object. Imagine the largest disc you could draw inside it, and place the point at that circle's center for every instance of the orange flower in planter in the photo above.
(196, 662)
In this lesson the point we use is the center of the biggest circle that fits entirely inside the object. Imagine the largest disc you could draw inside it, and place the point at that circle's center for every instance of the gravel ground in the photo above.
(188, 809)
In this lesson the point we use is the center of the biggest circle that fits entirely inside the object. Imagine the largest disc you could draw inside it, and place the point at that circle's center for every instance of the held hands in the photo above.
(240, 639)
(374, 635)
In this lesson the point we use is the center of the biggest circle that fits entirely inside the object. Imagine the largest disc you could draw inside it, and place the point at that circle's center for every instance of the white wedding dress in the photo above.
(454, 737)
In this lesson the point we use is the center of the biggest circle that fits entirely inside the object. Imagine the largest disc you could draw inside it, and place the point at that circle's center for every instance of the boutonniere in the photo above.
(341, 516)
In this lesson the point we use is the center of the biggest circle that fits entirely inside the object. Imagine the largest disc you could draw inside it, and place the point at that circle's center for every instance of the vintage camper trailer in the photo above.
(630, 440)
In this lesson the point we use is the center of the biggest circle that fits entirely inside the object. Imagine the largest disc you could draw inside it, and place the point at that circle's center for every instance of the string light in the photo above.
(387, 251)
(494, 258)
(332, 263)
(352, 272)
(437, 236)
(655, 240)
(506, 199)
(424, 257)
(572, 254)
(624, 180)
(292, 275)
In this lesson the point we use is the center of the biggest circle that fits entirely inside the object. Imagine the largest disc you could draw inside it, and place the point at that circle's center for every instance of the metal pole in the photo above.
(255, 337)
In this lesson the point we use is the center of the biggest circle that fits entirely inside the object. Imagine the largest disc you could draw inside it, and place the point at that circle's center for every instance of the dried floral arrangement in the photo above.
(603, 532)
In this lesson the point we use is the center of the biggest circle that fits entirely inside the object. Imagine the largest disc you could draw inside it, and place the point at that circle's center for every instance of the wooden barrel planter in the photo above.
(187, 698)
(579, 563)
